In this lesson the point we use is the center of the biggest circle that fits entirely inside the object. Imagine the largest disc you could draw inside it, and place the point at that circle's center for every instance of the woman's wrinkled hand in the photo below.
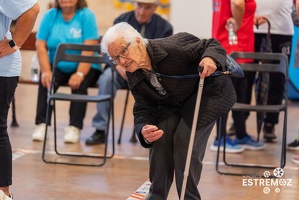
(151, 133)
(209, 66)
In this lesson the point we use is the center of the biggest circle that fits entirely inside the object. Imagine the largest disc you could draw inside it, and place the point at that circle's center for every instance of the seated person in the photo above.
(151, 26)
(65, 23)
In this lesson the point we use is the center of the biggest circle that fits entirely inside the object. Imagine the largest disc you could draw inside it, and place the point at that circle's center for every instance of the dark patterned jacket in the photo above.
(178, 55)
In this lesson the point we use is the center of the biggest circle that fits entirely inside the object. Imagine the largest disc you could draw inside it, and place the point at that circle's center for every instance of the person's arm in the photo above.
(238, 10)
(82, 69)
(24, 25)
(295, 16)
(145, 118)
(297, 8)
(44, 63)
(90, 37)
(85, 67)
(22, 30)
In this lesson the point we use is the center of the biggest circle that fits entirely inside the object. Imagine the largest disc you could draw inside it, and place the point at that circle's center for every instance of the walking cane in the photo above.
(191, 141)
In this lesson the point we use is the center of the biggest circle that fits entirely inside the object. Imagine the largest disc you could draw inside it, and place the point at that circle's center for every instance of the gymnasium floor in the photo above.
(128, 169)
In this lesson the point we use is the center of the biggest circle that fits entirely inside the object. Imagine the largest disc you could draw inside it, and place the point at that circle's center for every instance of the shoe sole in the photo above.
(293, 148)
(94, 143)
(270, 140)
(213, 148)
(231, 134)
(295, 161)
(252, 148)
(71, 142)
(38, 139)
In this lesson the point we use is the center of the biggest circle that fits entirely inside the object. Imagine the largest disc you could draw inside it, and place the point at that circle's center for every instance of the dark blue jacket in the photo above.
(156, 28)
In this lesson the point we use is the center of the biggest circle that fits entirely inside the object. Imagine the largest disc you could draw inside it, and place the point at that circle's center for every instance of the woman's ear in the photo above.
(138, 41)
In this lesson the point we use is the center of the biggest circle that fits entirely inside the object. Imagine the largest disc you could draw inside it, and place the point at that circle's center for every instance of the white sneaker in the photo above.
(4, 197)
(71, 134)
(39, 133)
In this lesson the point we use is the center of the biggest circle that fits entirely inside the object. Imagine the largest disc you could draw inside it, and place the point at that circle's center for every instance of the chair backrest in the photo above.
(63, 55)
(263, 62)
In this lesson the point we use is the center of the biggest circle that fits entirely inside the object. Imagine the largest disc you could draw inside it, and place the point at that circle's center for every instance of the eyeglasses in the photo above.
(122, 54)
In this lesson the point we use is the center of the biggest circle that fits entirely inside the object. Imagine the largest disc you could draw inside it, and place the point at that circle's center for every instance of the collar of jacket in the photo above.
(156, 54)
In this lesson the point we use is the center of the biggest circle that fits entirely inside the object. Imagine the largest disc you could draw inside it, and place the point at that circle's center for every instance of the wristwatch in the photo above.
(13, 45)
(80, 74)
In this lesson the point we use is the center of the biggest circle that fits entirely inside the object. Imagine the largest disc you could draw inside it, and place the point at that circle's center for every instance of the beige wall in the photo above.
(105, 13)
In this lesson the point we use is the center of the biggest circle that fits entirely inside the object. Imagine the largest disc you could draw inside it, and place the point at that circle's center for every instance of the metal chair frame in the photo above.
(63, 55)
(133, 137)
(262, 66)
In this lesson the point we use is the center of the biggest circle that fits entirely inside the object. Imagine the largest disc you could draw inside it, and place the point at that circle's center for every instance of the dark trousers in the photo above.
(239, 118)
(280, 44)
(168, 158)
(77, 110)
(7, 89)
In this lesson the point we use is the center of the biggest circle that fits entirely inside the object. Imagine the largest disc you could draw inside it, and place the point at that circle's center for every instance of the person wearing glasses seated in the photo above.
(164, 105)
(150, 25)
(65, 23)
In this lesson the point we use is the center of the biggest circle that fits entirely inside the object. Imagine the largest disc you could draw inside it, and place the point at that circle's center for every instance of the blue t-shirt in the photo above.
(10, 65)
(55, 30)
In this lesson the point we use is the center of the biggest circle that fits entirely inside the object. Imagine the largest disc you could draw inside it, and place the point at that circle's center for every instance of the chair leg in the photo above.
(123, 118)
(69, 154)
(220, 134)
(14, 122)
(284, 142)
(133, 137)
(219, 121)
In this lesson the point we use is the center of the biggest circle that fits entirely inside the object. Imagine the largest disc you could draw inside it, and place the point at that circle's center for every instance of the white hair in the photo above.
(120, 31)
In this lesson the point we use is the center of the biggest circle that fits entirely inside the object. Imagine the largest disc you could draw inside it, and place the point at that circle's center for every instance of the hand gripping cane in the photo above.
(191, 141)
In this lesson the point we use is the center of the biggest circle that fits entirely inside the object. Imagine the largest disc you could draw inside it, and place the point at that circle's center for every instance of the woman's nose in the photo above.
(122, 60)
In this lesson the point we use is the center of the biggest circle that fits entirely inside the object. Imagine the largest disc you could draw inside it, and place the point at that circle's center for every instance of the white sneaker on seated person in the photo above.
(5, 197)
(71, 134)
(39, 132)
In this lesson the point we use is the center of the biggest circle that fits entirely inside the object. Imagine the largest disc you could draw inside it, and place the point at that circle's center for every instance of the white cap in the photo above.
(146, 1)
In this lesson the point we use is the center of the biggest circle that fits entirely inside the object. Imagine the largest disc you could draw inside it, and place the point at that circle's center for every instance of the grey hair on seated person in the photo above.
(120, 31)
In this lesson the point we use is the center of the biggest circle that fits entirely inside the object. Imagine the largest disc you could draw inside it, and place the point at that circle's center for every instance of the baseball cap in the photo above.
(146, 1)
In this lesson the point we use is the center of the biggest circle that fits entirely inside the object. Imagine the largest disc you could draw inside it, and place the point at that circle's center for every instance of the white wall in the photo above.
(193, 16)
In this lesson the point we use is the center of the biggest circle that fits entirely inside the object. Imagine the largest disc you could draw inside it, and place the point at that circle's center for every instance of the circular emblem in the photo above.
(277, 190)
(282, 182)
(266, 190)
(267, 174)
(278, 172)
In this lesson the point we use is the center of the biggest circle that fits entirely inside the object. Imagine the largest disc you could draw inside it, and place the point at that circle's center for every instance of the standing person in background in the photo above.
(25, 13)
(278, 12)
(240, 14)
(68, 22)
(151, 26)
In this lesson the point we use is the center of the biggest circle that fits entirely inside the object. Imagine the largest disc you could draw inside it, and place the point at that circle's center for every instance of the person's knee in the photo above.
(106, 77)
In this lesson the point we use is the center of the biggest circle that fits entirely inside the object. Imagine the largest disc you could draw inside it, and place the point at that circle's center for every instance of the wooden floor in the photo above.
(128, 169)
